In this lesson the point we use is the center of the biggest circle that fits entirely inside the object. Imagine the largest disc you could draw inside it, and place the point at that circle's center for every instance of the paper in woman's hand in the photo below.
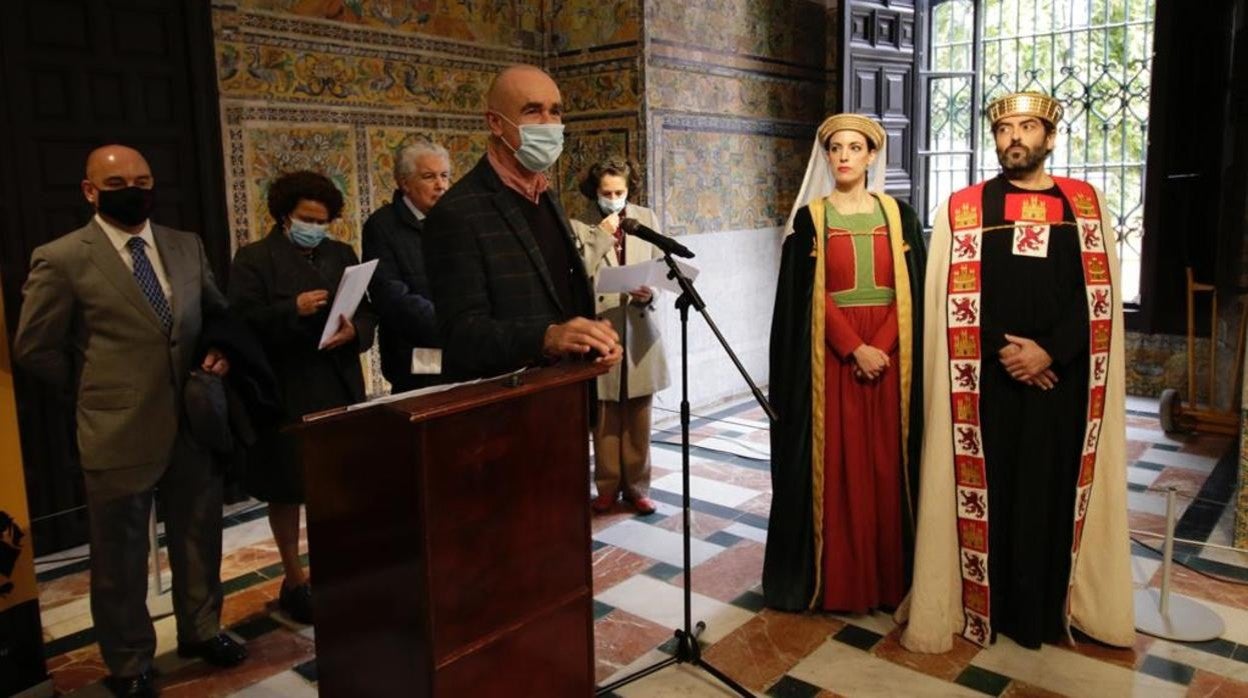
(347, 298)
(652, 273)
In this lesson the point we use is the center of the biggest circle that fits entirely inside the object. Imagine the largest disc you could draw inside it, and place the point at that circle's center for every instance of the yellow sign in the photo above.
(17, 564)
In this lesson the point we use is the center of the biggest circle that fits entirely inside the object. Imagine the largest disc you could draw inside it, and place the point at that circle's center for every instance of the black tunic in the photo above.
(1032, 437)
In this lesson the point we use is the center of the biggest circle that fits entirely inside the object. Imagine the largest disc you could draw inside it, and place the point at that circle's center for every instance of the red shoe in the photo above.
(603, 503)
(643, 505)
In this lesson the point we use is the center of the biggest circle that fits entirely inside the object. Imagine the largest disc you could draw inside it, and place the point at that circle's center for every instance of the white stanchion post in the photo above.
(1173, 616)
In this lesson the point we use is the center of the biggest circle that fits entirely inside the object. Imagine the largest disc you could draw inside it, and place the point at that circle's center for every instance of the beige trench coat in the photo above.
(637, 324)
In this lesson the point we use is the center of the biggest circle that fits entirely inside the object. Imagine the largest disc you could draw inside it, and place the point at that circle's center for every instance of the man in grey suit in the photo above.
(113, 312)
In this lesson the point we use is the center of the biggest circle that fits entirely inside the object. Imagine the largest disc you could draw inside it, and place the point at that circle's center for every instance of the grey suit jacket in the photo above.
(86, 326)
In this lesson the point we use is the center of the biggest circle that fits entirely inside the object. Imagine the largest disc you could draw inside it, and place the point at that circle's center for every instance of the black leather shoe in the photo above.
(297, 603)
(220, 651)
(140, 686)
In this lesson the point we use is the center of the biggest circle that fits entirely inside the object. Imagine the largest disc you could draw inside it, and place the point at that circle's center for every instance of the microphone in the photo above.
(663, 242)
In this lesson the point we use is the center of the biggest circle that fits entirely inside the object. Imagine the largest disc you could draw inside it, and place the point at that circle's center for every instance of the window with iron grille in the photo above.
(1093, 55)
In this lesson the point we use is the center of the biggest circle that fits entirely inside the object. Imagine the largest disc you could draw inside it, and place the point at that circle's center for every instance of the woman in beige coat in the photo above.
(622, 434)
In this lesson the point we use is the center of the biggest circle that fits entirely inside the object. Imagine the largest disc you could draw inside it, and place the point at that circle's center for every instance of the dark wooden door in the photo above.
(878, 68)
(77, 74)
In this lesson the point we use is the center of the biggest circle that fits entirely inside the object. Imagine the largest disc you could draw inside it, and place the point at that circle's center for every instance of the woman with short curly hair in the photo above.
(283, 286)
(622, 433)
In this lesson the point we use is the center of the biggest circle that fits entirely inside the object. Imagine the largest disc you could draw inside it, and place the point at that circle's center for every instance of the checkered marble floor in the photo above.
(638, 579)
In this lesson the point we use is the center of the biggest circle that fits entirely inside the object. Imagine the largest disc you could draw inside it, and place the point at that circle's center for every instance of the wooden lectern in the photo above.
(449, 541)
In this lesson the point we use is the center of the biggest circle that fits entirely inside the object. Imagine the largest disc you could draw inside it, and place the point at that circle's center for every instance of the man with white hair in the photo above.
(408, 333)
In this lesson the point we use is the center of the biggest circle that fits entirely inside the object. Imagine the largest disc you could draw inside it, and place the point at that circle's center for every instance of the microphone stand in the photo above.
(688, 649)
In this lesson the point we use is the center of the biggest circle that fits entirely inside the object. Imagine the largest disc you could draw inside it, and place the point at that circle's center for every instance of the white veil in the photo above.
(819, 181)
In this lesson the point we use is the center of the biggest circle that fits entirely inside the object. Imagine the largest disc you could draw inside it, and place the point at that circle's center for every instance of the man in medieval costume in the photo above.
(1022, 510)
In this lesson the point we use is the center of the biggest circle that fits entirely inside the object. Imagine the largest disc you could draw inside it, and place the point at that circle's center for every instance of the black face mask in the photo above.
(128, 205)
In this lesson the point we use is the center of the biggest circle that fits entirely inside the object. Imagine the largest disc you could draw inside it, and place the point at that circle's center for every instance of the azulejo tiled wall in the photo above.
(717, 100)
(595, 54)
(335, 86)
(734, 90)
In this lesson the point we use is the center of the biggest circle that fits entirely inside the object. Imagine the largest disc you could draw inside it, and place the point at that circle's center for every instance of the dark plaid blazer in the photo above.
(491, 286)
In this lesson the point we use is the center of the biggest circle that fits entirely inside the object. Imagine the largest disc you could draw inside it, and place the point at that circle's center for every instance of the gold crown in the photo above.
(852, 122)
(1034, 104)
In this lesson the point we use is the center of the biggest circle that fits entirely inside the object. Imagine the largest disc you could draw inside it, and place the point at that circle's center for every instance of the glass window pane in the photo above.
(1093, 55)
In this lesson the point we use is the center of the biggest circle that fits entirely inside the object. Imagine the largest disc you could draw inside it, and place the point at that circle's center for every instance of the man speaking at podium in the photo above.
(508, 285)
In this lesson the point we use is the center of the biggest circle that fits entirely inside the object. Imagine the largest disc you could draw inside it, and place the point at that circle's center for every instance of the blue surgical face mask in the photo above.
(540, 144)
(609, 206)
(307, 235)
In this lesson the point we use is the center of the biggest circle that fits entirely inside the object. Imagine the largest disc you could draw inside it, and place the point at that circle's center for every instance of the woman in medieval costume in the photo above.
(845, 360)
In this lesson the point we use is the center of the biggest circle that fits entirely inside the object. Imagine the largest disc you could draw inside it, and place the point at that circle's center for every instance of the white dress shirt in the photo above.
(119, 238)
(412, 207)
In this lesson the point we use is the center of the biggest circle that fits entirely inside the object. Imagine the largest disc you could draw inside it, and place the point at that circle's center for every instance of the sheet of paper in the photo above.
(652, 273)
(395, 397)
(348, 296)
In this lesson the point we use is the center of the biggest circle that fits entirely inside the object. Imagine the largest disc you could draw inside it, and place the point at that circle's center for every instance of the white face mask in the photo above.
(609, 206)
(540, 144)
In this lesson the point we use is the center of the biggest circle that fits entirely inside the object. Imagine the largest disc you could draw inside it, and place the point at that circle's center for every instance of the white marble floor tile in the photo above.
(656, 543)
(744, 531)
(66, 626)
(287, 684)
(681, 681)
(1069, 673)
(851, 672)
(1148, 502)
(1143, 404)
(730, 445)
(1141, 476)
(67, 611)
(1223, 666)
(649, 658)
(1143, 569)
(663, 603)
(707, 490)
(667, 459)
(1191, 461)
(1152, 436)
(1235, 619)
(876, 621)
(665, 509)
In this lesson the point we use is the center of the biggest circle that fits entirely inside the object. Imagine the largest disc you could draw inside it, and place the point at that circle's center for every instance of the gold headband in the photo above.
(852, 122)
(1034, 104)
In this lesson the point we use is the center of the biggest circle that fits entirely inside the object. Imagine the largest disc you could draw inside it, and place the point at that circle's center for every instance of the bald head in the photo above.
(116, 161)
(515, 81)
(112, 168)
(521, 94)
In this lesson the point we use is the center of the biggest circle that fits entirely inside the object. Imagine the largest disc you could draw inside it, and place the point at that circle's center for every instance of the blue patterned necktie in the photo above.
(145, 275)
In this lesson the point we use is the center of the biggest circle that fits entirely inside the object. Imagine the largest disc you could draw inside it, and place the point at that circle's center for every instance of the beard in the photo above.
(1018, 160)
